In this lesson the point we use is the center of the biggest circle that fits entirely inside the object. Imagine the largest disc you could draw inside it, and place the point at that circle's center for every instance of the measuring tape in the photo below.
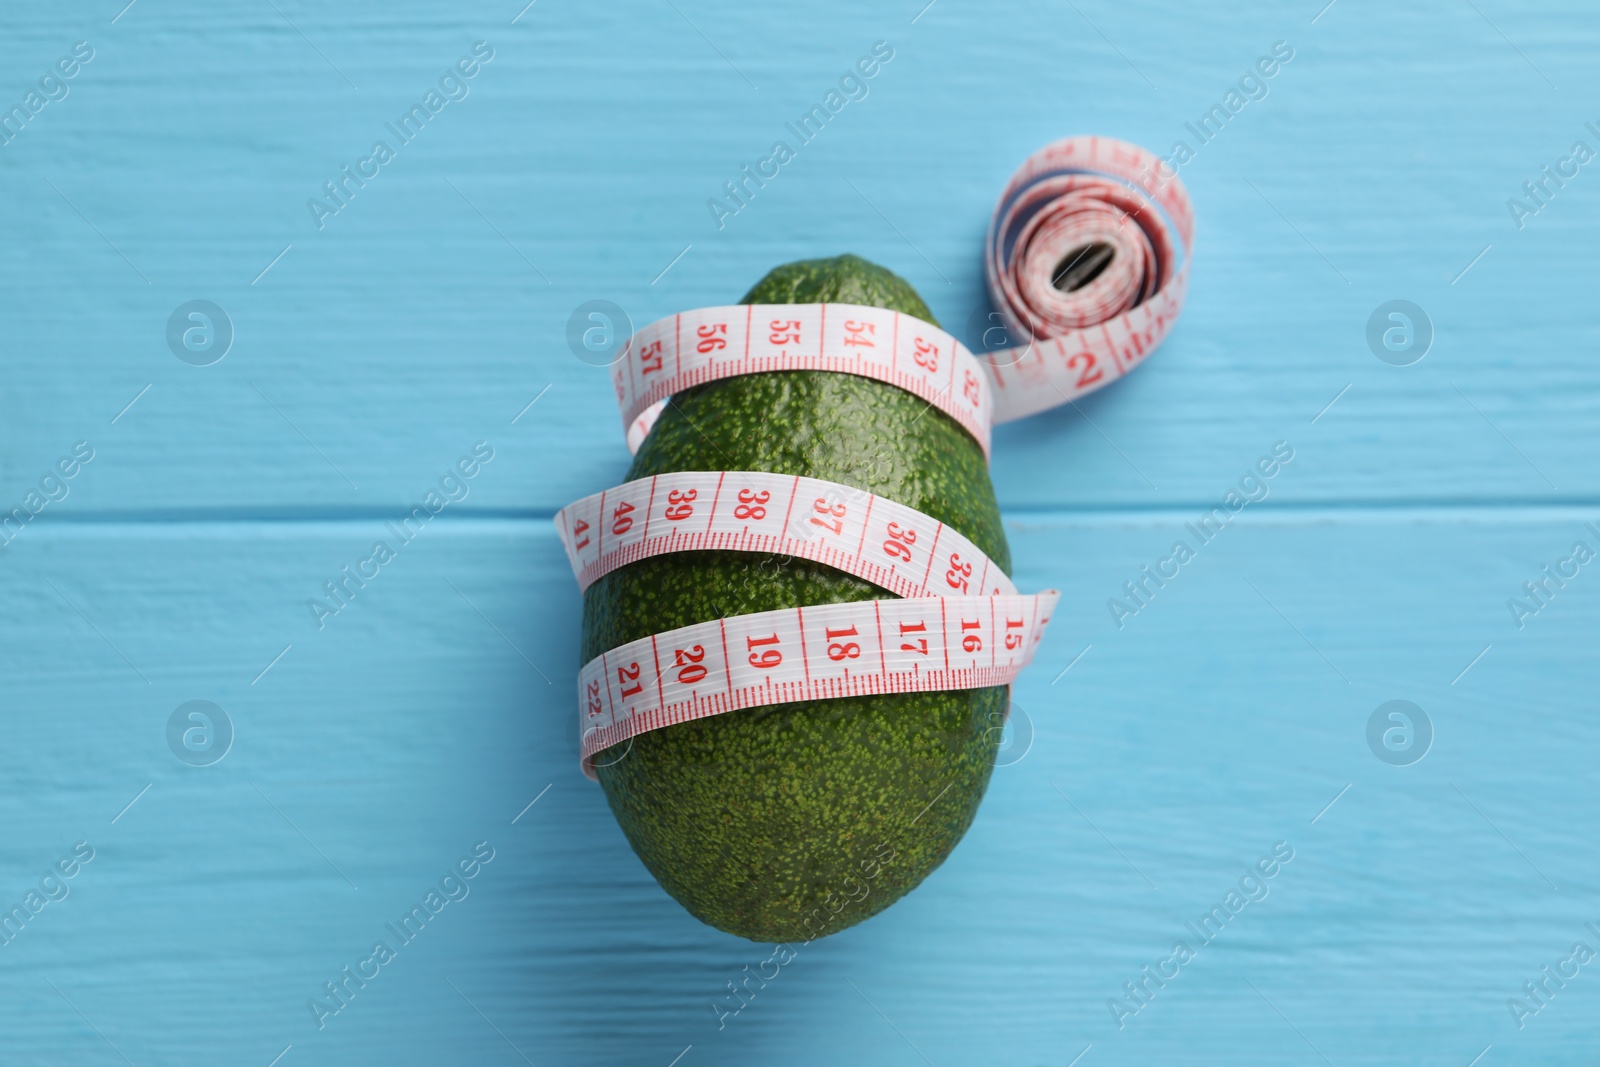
(669, 356)
(832, 650)
(1103, 215)
(890, 545)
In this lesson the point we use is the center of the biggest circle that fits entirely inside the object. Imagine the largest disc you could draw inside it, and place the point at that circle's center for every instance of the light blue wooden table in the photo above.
(373, 346)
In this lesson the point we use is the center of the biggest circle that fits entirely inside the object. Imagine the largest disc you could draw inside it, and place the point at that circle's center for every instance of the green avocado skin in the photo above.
(794, 821)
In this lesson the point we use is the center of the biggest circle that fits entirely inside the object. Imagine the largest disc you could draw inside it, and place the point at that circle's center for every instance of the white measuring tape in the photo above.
(669, 356)
(1098, 209)
(888, 544)
(833, 650)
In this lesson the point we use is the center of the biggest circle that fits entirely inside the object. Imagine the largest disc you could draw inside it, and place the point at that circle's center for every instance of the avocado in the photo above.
(795, 821)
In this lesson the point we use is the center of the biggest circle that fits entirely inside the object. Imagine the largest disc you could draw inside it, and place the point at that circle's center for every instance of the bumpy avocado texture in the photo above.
(795, 821)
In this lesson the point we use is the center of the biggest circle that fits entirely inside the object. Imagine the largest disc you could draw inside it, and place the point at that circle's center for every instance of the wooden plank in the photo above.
(417, 723)
(416, 321)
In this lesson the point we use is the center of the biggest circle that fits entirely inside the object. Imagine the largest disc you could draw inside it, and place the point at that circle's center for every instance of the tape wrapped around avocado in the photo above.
(794, 820)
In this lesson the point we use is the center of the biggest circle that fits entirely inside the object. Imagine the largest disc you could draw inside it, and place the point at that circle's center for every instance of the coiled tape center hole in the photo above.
(1082, 265)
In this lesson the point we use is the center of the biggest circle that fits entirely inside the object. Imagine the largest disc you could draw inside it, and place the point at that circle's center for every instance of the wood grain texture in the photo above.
(1221, 718)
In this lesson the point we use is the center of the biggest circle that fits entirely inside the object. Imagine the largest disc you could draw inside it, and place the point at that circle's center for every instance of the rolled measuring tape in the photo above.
(1087, 261)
